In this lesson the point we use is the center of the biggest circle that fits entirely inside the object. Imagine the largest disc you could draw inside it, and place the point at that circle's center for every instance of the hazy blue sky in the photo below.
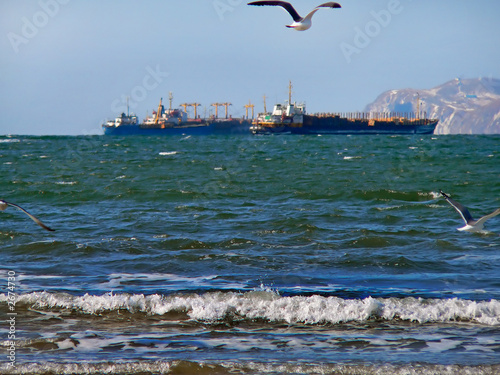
(68, 65)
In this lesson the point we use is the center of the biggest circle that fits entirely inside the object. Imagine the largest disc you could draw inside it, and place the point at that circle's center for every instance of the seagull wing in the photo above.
(463, 211)
(486, 217)
(31, 216)
(288, 7)
(309, 16)
(330, 4)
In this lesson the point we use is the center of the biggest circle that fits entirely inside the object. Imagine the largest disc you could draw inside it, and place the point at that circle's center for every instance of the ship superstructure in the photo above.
(163, 118)
(123, 120)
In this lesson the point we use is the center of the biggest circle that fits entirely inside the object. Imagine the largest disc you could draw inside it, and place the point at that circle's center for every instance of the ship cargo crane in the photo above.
(226, 105)
(216, 105)
(195, 105)
(247, 106)
(159, 112)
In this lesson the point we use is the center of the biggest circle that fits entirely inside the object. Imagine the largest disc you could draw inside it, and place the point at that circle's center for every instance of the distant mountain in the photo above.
(463, 106)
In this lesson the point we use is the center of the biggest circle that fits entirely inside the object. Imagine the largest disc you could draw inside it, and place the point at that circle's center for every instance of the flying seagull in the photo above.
(5, 204)
(299, 23)
(471, 225)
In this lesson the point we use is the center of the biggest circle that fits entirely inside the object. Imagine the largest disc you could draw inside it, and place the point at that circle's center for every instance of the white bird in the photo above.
(5, 204)
(299, 23)
(471, 225)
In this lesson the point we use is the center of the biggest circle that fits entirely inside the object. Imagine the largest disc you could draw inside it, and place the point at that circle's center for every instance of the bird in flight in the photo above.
(5, 204)
(299, 23)
(471, 225)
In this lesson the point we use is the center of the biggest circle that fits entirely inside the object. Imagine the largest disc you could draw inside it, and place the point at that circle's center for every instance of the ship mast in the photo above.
(290, 93)
(418, 105)
(265, 109)
(170, 98)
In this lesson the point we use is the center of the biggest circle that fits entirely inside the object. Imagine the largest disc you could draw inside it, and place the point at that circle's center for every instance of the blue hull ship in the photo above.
(288, 118)
(174, 122)
(216, 127)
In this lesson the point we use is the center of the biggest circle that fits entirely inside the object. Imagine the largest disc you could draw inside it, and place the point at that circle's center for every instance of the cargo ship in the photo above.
(291, 118)
(176, 122)
(287, 118)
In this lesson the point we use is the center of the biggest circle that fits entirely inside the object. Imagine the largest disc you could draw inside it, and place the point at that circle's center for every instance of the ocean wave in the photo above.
(248, 368)
(270, 306)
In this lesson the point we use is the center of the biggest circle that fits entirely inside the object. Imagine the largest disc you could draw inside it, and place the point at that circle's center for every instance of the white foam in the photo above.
(352, 157)
(250, 367)
(435, 194)
(66, 183)
(168, 153)
(443, 345)
(66, 344)
(272, 307)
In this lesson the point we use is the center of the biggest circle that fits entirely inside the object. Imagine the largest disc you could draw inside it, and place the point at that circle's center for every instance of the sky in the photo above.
(66, 66)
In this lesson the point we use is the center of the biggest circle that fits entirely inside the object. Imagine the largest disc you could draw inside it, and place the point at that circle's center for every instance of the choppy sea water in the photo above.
(249, 255)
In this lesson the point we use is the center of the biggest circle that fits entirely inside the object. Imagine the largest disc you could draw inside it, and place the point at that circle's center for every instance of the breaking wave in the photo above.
(250, 368)
(271, 307)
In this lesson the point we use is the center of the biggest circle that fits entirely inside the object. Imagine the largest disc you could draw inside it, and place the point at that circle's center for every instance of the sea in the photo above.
(275, 254)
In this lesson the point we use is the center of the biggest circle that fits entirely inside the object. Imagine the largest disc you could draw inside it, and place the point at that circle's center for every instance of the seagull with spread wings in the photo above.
(471, 225)
(299, 23)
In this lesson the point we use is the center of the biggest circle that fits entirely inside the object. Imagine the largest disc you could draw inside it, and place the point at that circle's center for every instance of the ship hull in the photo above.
(338, 125)
(204, 128)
